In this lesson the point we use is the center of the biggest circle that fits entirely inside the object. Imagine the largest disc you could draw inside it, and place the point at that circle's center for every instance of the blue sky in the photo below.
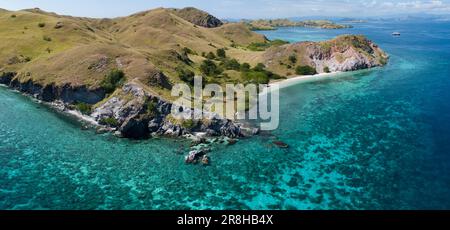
(239, 8)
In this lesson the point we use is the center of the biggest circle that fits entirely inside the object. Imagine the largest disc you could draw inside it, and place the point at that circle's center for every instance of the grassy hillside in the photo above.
(153, 48)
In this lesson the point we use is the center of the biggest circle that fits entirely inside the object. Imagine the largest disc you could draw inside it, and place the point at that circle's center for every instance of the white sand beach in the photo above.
(303, 78)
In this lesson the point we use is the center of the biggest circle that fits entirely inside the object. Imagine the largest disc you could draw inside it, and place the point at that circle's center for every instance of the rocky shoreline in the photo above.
(127, 113)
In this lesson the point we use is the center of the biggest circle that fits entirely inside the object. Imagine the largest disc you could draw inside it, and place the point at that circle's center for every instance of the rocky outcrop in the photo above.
(6, 77)
(198, 17)
(139, 115)
(48, 93)
(361, 54)
(344, 53)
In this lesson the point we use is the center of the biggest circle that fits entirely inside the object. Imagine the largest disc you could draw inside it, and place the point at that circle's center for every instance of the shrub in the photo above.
(221, 53)
(231, 64)
(185, 58)
(293, 59)
(326, 69)
(259, 67)
(83, 108)
(305, 70)
(258, 75)
(258, 46)
(47, 38)
(255, 77)
(209, 68)
(261, 46)
(110, 121)
(245, 67)
(211, 55)
(48, 50)
(186, 75)
(152, 108)
(41, 24)
(186, 50)
(278, 42)
(188, 124)
(111, 81)
(13, 16)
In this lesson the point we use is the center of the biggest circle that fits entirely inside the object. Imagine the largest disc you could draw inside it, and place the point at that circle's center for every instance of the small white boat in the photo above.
(396, 34)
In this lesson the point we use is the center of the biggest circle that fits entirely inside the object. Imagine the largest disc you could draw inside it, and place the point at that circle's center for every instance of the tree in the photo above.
(245, 67)
(259, 67)
(231, 64)
(293, 59)
(326, 69)
(111, 81)
(186, 75)
(305, 70)
(209, 68)
(211, 55)
(221, 53)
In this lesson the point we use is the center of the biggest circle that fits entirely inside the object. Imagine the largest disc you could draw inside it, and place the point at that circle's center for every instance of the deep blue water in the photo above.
(376, 139)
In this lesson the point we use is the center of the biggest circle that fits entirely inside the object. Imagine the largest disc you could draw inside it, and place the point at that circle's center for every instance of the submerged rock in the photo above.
(194, 156)
(281, 144)
(205, 160)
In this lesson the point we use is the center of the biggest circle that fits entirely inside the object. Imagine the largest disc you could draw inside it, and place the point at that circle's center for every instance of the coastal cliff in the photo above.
(119, 72)
(344, 53)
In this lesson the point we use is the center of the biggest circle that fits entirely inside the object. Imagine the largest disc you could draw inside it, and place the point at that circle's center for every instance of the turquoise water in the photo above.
(374, 139)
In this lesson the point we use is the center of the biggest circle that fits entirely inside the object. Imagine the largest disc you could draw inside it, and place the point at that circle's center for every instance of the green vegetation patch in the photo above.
(113, 80)
(209, 68)
(258, 75)
(188, 124)
(261, 46)
(110, 121)
(221, 53)
(305, 70)
(83, 108)
(231, 64)
(152, 108)
(186, 75)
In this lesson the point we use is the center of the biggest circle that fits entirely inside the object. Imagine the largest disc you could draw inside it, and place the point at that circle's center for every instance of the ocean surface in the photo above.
(375, 139)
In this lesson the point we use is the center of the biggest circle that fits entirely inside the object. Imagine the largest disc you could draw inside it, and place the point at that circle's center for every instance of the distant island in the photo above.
(273, 24)
(119, 72)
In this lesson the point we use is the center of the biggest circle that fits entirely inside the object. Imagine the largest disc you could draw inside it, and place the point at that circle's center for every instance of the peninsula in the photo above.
(273, 24)
(120, 71)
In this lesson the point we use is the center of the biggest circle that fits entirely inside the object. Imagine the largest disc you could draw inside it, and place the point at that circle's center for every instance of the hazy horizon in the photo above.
(234, 9)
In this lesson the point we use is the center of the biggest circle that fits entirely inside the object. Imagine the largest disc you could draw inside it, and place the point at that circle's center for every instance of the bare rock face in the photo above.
(128, 103)
(360, 53)
(344, 53)
(198, 17)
